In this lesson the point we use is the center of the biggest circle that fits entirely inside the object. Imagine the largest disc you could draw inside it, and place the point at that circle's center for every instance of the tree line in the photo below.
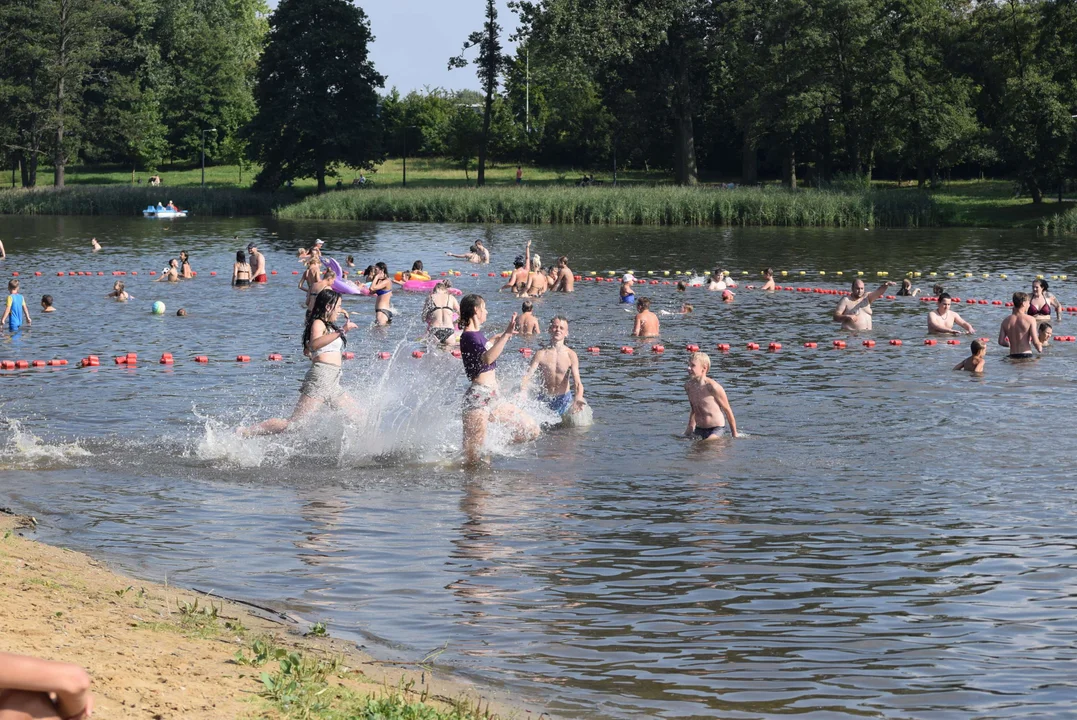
(831, 90)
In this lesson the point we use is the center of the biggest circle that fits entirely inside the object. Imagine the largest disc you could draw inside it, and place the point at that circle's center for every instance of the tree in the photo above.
(464, 138)
(316, 94)
(490, 63)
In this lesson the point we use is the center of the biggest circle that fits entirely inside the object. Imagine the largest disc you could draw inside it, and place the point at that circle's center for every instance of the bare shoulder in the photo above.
(714, 386)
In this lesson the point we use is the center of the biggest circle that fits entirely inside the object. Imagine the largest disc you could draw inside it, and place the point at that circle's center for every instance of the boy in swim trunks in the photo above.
(558, 364)
(974, 363)
(710, 406)
(1018, 331)
(527, 323)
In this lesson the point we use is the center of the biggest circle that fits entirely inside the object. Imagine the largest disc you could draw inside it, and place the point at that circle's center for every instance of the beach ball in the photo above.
(158, 308)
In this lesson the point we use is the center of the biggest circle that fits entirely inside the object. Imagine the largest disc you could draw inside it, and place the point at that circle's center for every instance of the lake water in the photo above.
(893, 539)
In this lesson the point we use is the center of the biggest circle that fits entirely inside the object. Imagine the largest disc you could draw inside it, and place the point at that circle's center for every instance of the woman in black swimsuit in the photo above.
(382, 287)
(241, 270)
(438, 312)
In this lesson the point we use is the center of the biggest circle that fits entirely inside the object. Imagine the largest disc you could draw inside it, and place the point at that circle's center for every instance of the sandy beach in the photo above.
(163, 652)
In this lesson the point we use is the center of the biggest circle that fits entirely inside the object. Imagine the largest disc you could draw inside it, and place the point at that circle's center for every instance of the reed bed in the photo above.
(105, 200)
(1064, 222)
(661, 205)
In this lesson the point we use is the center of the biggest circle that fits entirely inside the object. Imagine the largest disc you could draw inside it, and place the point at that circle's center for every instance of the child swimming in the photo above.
(974, 363)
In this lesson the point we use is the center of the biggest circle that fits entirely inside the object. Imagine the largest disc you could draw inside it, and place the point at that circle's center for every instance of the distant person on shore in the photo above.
(907, 290)
(519, 175)
(1018, 331)
(559, 367)
(16, 314)
(438, 311)
(472, 255)
(170, 273)
(710, 409)
(118, 292)
(646, 324)
(482, 403)
(628, 290)
(768, 277)
(527, 323)
(46, 304)
(241, 270)
(257, 263)
(566, 281)
(1041, 302)
(185, 266)
(324, 342)
(854, 310)
(94, 245)
(974, 363)
(34, 688)
(942, 319)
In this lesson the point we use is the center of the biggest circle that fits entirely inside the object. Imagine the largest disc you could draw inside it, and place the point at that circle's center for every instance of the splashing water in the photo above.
(24, 450)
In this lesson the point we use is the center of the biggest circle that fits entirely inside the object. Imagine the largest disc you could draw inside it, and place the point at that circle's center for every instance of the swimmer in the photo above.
(472, 255)
(974, 363)
(681, 286)
(382, 288)
(942, 319)
(565, 279)
(558, 365)
(687, 308)
(241, 270)
(46, 304)
(310, 276)
(185, 266)
(257, 263)
(728, 296)
(537, 281)
(521, 270)
(119, 293)
(907, 290)
(527, 323)
(182, 312)
(628, 292)
(937, 289)
(325, 282)
(646, 324)
(717, 281)
(1041, 302)
(94, 245)
(438, 312)
(768, 275)
(710, 408)
(1018, 330)
(324, 341)
(484, 254)
(1045, 332)
(349, 261)
(35, 688)
(482, 404)
(170, 273)
(854, 310)
(15, 311)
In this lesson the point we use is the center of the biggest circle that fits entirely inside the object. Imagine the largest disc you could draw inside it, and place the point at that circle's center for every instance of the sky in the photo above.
(414, 40)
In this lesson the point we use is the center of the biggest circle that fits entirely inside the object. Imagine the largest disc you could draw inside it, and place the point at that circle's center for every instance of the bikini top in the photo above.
(333, 347)
(1044, 309)
(382, 292)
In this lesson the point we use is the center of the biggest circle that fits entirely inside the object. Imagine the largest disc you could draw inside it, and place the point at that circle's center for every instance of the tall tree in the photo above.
(316, 94)
(489, 64)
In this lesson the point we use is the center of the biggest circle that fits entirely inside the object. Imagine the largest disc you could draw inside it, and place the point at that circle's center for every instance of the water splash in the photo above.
(23, 450)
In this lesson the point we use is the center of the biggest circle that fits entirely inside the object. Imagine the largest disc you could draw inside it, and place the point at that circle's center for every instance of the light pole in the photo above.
(406, 128)
(212, 130)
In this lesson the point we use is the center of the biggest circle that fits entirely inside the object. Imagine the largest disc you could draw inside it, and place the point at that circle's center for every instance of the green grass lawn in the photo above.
(991, 203)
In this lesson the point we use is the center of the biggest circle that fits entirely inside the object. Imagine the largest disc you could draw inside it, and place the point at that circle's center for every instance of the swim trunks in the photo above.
(388, 315)
(560, 404)
(1022, 356)
(260, 278)
(478, 397)
(242, 283)
(442, 333)
(628, 299)
(322, 382)
(703, 433)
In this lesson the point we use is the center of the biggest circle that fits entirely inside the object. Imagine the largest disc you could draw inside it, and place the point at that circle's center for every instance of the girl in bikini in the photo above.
(439, 310)
(1041, 302)
(382, 287)
(241, 270)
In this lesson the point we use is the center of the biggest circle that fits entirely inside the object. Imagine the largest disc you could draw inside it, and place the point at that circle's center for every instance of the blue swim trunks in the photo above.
(560, 404)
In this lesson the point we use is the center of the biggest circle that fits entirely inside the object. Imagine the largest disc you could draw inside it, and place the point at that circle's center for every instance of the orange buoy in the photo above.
(7, 364)
(93, 361)
(690, 347)
(272, 272)
(895, 342)
(15, 274)
(21, 364)
(243, 358)
(38, 363)
(56, 363)
(953, 342)
(869, 343)
(212, 273)
(384, 355)
(996, 302)
(274, 357)
(417, 354)
(121, 360)
(891, 297)
(774, 347)
(295, 272)
(811, 345)
(153, 272)
(723, 347)
(930, 341)
(37, 273)
(658, 348)
(594, 349)
(166, 359)
(839, 344)
(626, 350)
(201, 358)
(753, 346)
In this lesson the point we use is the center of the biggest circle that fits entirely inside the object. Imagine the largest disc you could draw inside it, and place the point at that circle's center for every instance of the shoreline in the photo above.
(159, 651)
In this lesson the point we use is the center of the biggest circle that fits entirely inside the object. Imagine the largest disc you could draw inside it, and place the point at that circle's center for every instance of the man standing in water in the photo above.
(257, 262)
(565, 279)
(1019, 331)
(854, 310)
(942, 319)
(558, 364)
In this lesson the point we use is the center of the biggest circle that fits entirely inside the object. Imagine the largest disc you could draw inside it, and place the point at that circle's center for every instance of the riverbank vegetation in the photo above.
(118, 200)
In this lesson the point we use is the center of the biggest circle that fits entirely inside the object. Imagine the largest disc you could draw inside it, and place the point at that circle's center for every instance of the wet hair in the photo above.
(241, 257)
(906, 283)
(349, 259)
(1042, 283)
(381, 266)
(469, 305)
(473, 249)
(184, 256)
(681, 287)
(562, 318)
(1045, 329)
(688, 308)
(944, 296)
(417, 266)
(937, 289)
(369, 272)
(518, 262)
(1019, 299)
(182, 312)
(323, 302)
(13, 284)
(977, 347)
(643, 304)
(702, 357)
(173, 262)
(528, 306)
(563, 260)
(46, 300)
(536, 261)
(443, 284)
(118, 285)
(769, 272)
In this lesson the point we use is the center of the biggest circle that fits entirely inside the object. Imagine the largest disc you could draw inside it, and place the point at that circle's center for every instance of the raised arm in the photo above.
(878, 292)
(494, 351)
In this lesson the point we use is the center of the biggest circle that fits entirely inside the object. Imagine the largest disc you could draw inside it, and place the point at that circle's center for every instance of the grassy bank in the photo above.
(118, 200)
(159, 651)
(1065, 222)
(663, 205)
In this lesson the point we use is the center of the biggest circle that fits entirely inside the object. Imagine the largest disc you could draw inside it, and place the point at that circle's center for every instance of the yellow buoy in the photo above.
(822, 272)
(968, 274)
(932, 273)
(784, 273)
(1039, 277)
(1002, 275)
(803, 273)
(1054, 277)
(593, 272)
(665, 272)
(840, 272)
(859, 273)
(1061, 277)
(987, 275)
(949, 274)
